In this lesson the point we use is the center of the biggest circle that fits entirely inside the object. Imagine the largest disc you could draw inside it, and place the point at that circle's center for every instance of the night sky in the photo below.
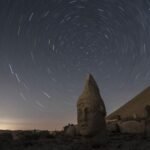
(47, 47)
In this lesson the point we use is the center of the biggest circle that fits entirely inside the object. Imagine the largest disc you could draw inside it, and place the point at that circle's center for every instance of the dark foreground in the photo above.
(116, 141)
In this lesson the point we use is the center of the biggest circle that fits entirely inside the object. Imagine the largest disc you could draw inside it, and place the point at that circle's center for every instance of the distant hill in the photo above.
(135, 107)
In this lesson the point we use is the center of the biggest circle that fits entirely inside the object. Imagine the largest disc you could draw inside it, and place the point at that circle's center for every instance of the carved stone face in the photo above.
(90, 119)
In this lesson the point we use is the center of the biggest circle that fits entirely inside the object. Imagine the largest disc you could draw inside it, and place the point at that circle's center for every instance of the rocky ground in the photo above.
(116, 141)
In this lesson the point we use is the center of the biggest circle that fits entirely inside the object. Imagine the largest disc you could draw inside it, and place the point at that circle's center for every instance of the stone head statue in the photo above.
(91, 110)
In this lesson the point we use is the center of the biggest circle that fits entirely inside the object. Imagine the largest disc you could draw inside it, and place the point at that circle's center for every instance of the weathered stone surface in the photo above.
(132, 126)
(91, 110)
(113, 127)
(71, 130)
(147, 111)
(77, 130)
(147, 127)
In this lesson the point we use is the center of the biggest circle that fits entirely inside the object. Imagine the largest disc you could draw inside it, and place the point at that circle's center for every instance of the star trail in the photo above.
(48, 46)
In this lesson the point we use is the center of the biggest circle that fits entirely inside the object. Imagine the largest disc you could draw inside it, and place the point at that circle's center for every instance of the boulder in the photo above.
(132, 126)
(113, 127)
(71, 130)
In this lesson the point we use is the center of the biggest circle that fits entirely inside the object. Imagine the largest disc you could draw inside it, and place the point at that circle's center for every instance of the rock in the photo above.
(147, 111)
(132, 126)
(113, 127)
(71, 131)
(147, 127)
